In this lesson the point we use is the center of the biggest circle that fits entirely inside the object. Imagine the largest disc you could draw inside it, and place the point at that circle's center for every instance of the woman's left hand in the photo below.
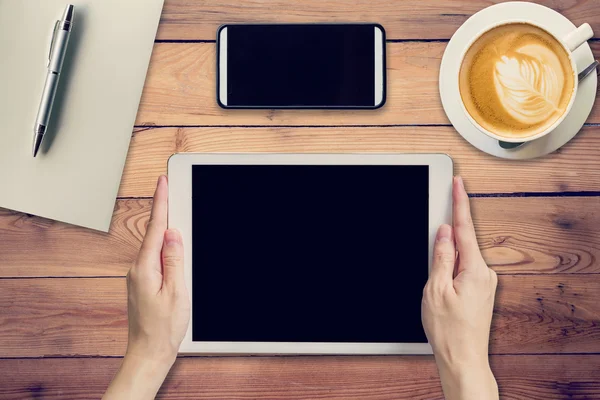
(158, 307)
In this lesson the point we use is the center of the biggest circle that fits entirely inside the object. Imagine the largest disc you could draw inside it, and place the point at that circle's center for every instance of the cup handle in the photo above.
(579, 36)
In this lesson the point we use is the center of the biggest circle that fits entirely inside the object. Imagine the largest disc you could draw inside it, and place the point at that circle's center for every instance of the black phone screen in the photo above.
(313, 66)
(321, 253)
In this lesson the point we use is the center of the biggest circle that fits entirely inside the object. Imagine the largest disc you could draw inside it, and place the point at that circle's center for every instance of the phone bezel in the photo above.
(379, 60)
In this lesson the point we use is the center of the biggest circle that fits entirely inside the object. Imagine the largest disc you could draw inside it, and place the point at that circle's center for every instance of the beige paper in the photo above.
(75, 176)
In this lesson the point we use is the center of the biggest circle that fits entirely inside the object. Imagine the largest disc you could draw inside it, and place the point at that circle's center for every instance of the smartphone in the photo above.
(330, 66)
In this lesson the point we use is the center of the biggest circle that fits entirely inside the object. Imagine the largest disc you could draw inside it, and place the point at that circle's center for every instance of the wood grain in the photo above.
(575, 167)
(34, 246)
(180, 90)
(289, 378)
(406, 19)
(558, 235)
(65, 317)
(539, 235)
(84, 317)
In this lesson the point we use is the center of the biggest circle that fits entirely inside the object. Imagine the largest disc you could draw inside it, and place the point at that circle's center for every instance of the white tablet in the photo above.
(308, 253)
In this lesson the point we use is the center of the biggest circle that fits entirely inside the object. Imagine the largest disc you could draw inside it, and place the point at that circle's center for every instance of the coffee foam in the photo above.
(516, 80)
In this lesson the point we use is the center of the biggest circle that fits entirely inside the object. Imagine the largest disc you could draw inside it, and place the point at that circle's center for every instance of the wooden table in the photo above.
(63, 317)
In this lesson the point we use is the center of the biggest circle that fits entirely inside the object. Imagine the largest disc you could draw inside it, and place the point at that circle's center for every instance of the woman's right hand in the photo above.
(458, 303)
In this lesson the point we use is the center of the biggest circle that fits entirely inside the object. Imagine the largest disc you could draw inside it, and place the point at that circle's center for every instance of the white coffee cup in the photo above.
(570, 43)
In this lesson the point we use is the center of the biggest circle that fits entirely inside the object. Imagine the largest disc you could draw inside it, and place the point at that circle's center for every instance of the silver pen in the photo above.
(58, 49)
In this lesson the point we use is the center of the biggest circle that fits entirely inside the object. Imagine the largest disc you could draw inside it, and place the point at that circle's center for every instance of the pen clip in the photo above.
(56, 28)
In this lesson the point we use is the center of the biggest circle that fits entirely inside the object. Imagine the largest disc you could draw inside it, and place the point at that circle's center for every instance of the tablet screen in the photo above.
(309, 253)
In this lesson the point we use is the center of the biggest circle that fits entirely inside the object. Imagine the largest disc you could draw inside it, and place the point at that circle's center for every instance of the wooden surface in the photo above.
(402, 19)
(62, 289)
(535, 314)
(574, 168)
(181, 90)
(328, 378)
(559, 235)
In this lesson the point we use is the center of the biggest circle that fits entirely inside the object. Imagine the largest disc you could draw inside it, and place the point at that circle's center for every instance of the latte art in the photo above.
(528, 90)
(516, 80)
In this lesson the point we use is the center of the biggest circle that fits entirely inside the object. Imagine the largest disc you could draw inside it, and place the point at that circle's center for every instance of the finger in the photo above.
(172, 259)
(444, 255)
(464, 232)
(157, 225)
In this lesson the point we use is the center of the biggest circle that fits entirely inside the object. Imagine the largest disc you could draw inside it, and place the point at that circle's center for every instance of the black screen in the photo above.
(301, 65)
(309, 253)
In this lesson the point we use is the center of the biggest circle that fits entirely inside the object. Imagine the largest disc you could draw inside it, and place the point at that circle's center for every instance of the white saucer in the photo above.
(449, 92)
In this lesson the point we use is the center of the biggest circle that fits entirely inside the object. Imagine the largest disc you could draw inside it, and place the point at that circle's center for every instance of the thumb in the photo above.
(444, 255)
(172, 258)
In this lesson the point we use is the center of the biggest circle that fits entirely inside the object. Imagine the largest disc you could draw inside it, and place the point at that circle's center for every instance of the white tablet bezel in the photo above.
(180, 211)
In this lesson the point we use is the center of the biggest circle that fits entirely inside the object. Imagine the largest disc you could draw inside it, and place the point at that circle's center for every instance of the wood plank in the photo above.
(539, 235)
(57, 317)
(558, 235)
(49, 317)
(33, 246)
(406, 19)
(180, 90)
(289, 378)
(575, 167)
(558, 313)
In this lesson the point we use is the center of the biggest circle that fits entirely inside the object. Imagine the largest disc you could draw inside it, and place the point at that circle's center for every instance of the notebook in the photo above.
(75, 176)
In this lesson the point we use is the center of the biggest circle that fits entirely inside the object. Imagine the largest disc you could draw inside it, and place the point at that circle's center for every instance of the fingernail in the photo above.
(444, 234)
(460, 182)
(172, 236)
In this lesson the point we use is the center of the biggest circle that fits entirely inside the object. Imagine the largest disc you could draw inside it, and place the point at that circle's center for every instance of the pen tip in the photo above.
(68, 15)
(37, 139)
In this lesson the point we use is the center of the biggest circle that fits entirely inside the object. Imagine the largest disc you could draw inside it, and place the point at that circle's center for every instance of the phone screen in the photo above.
(302, 66)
